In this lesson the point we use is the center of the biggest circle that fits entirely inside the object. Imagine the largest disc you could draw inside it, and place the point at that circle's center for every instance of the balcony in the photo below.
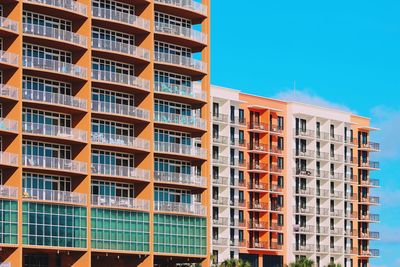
(217, 200)
(187, 94)
(374, 253)
(187, 5)
(8, 159)
(237, 223)
(120, 81)
(275, 169)
(323, 230)
(237, 142)
(220, 118)
(180, 150)
(8, 92)
(370, 146)
(258, 127)
(351, 141)
(55, 100)
(303, 228)
(336, 138)
(336, 176)
(54, 36)
(180, 64)
(219, 180)
(322, 248)
(374, 218)
(72, 8)
(131, 173)
(322, 211)
(8, 27)
(54, 196)
(336, 250)
(8, 126)
(216, 241)
(276, 150)
(322, 174)
(258, 245)
(350, 214)
(180, 179)
(257, 148)
(369, 235)
(257, 187)
(175, 207)
(258, 225)
(8, 60)
(370, 183)
(336, 158)
(238, 163)
(54, 68)
(304, 172)
(193, 122)
(238, 203)
(119, 20)
(258, 206)
(220, 140)
(304, 153)
(8, 191)
(220, 221)
(55, 164)
(350, 232)
(239, 121)
(369, 200)
(369, 165)
(258, 167)
(276, 129)
(237, 243)
(336, 213)
(336, 231)
(120, 202)
(322, 193)
(54, 131)
(276, 227)
(348, 177)
(120, 141)
(236, 182)
(351, 196)
(322, 155)
(303, 248)
(276, 188)
(124, 112)
(220, 160)
(350, 160)
(350, 251)
(119, 51)
(304, 133)
(303, 210)
(179, 35)
(304, 191)
(336, 194)
(324, 136)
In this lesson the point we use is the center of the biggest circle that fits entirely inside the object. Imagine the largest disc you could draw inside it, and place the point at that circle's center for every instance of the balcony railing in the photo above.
(303, 210)
(370, 182)
(258, 225)
(181, 90)
(321, 229)
(322, 155)
(322, 248)
(54, 196)
(336, 194)
(220, 117)
(217, 200)
(9, 24)
(258, 147)
(351, 178)
(258, 206)
(258, 126)
(237, 142)
(336, 137)
(237, 243)
(369, 235)
(9, 91)
(54, 131)
(303, 228)
(120, 171)
(122, 17)
(258, 245)
(370, 145)
(370, 164)
(220, 139)
(119, 109)
(350, 160)
(237, 203)
(75, 7)
(185, 32)
(336, 213)
(335, 157)
(304, 133)
(276, 168)
(55, 33)
(190, 121)
(238, 120)
(336, 231)
(258, 186)
(323, 135)
(336, 176)
(303, 248)
(193, 208)
(235, 162)
(120, 47)
(54, 98)
(120, 78)
(54, 163)
(303, 171)
(120, 140)
(220, 221)
(304, 191)
(180, 149)
(237, 222)
(322, 211)
(370, 217)
(307, 153)
(350, 251)
(187, 4)
(220, 180)
(7, 158)
(8, 58)
(371, 200)
(120, 202)
(257, 166)
(8, 125)
(180, 178)
(220, 241)
(217, 159)
(8, 191)
(55, 66)
(322, 192)
(276, 128)
(181, 61)
(370, 252)
(336, 249)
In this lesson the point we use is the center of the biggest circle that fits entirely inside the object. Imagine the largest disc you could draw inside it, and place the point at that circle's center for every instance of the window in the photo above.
(241, 116)
(232, 114)
(280, 123)
(215, 109)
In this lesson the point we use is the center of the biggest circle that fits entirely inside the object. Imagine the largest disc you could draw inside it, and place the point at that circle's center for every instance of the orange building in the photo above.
(104, 148)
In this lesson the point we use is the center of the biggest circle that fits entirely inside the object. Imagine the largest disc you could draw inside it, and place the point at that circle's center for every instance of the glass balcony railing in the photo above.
(303, 248)
(122, 17)
(219, 139)
(54, 98)
(181, 90)
(185, 32)
(55, 66)
(54, 163)
(180, 149)
(217, 200)
(54, 33)
(180, 178)
(220, 221)
(5, 264)
(217, 159)
(190, 121)
(119, 109)
(8, 125)
(120, 202)
(9, 91)
(8, 191)
(220, 180)
(7, 158)
(120, 140)
(8, 58)
(54, 131)
(120, 171)
(175, 207)
(181, 61)
(71, 5)
(120, 78)
(120, 47)
(8, 24)
(217, 241)
(54, 196)
(370, 145)
(187, 4)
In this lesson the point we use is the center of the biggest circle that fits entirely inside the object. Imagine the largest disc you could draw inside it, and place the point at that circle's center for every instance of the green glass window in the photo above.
(8, 222)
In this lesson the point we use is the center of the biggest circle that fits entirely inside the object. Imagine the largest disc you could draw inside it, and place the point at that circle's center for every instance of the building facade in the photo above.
(104, 145)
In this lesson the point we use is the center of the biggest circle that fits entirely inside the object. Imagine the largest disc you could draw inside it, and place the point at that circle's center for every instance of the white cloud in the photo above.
(308, 97)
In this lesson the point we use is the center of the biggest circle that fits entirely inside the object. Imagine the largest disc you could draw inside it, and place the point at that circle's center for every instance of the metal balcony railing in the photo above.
(220, 221)
(220, 139)
(220, 180)
(119, 109)
(276, 128)
(336, 249)
(54, 98)
(220, 117)
(179, 60)
(303, 248)
(122, 17)
(304, 133)
(219, 241)
(370, 145)
(217, 159)
(323, 136)
(186, 4)
(303, 210)
(120, 171)
(257, 166)
(185, 32)
(120, 78)
(181, 90)
(257, 225)
(303, 228)
(175, 207)
(217, 200)
(71, 5)
(336, 157)
(54, 196)
(336, 137)
(304, 171)
(307, 153)
(258, 126)
(55, 33)
(120, 202)
(54, 131)
(322, 155)
(8, 191)
(120, 47)
(255, 205)
(336, 231)
(336, 213)
(180, 178)
(258, 245)
(257, 147)
(54, 163)
(55, 66)
(304, 191)
(190, 121)
(120, 140)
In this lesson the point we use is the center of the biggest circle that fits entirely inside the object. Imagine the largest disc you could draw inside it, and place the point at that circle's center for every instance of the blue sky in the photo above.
(341, 53)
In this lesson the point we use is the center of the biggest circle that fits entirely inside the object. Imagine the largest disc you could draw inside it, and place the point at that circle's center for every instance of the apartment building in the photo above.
(104, 145)
(307, 189)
